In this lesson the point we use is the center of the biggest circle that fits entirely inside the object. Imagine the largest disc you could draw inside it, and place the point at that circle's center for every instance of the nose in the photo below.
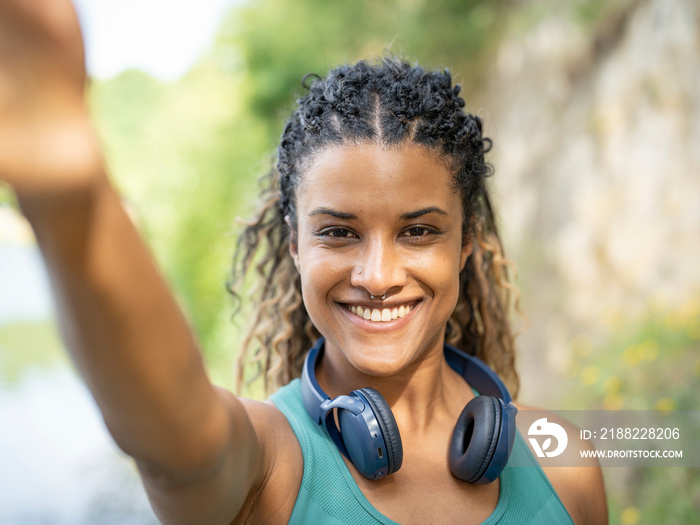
(380, 268)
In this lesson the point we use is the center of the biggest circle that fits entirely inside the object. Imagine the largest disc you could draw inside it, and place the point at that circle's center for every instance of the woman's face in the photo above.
(375, 220)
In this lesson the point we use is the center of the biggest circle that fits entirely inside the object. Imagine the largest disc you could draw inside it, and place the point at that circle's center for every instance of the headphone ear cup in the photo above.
(388, 426)
(474, 438)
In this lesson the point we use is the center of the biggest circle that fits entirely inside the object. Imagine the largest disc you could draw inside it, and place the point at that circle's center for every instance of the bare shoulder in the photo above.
(579, 487)
(276, 495)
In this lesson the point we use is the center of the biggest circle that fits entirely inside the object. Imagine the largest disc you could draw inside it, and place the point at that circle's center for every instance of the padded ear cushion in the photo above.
(388, 426)
(474, 438)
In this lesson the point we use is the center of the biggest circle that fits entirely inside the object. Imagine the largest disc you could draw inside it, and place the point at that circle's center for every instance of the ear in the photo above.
(293, 246)
(465, 252)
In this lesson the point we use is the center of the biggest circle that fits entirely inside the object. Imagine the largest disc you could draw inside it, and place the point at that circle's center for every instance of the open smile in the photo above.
(381, 315)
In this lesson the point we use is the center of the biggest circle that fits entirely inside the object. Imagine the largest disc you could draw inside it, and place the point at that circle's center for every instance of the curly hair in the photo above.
(389, 102)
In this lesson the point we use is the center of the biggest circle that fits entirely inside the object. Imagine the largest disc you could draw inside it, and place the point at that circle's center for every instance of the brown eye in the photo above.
(418, 231)
(337, 233)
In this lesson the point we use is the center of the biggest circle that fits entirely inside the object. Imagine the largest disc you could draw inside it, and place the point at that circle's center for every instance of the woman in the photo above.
(381, 225)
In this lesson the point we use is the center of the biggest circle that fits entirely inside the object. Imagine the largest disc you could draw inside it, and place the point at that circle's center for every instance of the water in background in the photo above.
(58, 465)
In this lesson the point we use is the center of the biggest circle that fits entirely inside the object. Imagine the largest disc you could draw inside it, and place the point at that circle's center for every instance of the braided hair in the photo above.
(387, 103)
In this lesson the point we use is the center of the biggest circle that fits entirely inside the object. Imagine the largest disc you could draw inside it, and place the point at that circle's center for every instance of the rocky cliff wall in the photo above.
(597, 157)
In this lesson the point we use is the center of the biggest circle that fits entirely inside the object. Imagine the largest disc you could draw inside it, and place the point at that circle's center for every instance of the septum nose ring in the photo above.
(359, 271)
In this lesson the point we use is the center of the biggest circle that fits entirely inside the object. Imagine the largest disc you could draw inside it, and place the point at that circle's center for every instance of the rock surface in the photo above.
(597, 158)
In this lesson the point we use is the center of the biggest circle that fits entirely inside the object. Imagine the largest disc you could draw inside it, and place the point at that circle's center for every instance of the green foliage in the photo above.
(649, 364)
(181, 154)
(641, 359)
(280, 41)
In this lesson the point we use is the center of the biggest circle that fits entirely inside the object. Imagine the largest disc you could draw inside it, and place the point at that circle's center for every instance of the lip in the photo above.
(380, 326)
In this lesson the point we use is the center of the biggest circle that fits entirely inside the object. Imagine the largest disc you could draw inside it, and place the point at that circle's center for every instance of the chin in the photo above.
(381, 359)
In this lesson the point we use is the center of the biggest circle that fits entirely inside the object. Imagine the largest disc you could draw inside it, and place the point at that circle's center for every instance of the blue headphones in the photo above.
(367, 434)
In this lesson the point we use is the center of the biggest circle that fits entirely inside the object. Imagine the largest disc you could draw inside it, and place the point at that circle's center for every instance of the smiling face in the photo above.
(373, 220)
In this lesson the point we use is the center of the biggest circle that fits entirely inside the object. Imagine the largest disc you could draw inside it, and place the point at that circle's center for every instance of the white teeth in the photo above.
(384, 315)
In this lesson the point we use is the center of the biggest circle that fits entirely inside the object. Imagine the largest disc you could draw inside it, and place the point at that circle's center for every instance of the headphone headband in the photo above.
(314, 396)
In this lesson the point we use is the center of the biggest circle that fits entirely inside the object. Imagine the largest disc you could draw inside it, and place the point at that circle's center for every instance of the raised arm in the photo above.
(194, 444)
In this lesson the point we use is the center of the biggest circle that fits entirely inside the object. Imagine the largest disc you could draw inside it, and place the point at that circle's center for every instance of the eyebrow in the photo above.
(333, 213)
(404, 216)
(423, 211)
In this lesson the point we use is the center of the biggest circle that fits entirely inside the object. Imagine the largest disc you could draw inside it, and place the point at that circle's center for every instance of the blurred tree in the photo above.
(280, 41)
(179, 153)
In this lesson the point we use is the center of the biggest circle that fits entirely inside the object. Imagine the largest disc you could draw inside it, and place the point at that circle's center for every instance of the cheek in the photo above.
(440, 266)
(442, 277)
(449, 282)
(319, 271)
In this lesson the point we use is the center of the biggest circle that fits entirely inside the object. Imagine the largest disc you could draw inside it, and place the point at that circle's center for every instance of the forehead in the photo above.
(369, 177)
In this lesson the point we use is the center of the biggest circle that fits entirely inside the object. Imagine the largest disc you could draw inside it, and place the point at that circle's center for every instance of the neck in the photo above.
(425, 390)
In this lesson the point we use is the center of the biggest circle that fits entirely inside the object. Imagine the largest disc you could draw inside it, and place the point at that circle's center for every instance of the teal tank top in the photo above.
(328, 493)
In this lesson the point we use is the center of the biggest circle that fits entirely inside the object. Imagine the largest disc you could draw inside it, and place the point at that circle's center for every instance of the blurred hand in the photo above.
(46, 140)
